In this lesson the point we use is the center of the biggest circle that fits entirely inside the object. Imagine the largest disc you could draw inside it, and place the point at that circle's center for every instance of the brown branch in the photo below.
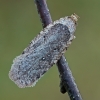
(67, 83)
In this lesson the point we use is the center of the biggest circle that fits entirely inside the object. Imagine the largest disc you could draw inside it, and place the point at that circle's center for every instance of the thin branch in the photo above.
(67, 83)
(43, 11)
(67, 80)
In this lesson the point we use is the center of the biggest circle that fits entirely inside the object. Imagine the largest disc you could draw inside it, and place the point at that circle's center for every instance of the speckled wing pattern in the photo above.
(43, 52)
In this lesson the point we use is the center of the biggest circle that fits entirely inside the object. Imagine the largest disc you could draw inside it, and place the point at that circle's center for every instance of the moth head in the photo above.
(75, 17)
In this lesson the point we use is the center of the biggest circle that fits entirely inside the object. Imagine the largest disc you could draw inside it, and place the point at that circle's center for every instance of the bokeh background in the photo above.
(20, 23)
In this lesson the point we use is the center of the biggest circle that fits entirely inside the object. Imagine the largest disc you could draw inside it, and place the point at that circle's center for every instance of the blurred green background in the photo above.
(20, 23)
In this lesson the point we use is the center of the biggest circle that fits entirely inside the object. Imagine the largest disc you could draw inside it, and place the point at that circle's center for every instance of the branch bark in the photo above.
(67, 83)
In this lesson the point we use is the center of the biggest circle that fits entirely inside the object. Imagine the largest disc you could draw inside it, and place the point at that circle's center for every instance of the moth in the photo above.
(43, 52)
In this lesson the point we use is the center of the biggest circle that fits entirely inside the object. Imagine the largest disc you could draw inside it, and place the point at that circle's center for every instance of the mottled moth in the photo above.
(43, 52)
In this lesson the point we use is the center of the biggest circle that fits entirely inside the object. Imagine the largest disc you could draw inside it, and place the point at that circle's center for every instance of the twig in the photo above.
(43, 11)
(67, 81)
